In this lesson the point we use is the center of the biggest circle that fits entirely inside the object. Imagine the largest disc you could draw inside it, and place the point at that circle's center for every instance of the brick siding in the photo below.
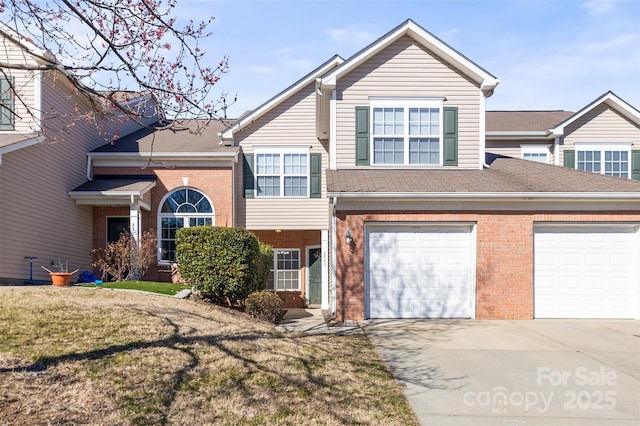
(216, 183)
(504, 256)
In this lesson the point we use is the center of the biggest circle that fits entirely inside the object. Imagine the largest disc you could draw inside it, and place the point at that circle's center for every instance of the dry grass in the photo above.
(76, 356)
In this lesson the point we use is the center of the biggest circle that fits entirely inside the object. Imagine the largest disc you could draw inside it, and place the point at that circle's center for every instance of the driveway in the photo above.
(541, 372)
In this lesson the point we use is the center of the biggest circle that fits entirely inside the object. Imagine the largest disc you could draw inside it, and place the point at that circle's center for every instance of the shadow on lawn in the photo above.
(304, 380)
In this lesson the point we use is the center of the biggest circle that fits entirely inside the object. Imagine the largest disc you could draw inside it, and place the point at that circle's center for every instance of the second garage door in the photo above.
(419, 271)
(584, 271)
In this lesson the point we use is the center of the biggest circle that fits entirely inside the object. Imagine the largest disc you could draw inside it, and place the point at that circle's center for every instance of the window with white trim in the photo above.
(282, 173)
(406, 131)
(183, 208)
(538, 153)
(285, 274)
(605, 159)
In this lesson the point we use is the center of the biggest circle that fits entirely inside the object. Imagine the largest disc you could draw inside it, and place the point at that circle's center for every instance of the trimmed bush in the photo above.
(263, 265)
(265, 305)
(218, 262)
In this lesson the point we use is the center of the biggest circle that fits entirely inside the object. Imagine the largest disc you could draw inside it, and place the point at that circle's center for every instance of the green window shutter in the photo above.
(362, 136)
(247, 175)
(450, 146)
(635, 164)
(315, 188)
(570, 158)
(7, 105)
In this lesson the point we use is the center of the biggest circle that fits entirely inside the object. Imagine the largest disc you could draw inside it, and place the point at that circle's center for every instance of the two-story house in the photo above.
(44, 141)
(388, 191)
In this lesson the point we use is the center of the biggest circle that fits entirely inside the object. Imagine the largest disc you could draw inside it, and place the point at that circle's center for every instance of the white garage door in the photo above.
(419, 272)
(585, 272)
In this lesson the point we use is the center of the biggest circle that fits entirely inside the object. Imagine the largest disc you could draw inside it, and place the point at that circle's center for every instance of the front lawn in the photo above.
(170, 289)
(69, 356)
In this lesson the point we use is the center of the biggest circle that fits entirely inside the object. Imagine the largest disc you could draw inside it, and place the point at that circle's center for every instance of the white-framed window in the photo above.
(282, 172)
(406, 131)
(182, 208)
(539, 153)
(613, 159)
(285, 274)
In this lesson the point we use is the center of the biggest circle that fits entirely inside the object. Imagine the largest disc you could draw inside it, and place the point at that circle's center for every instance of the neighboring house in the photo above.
(161, 180)
(387, 191)
(43, 154)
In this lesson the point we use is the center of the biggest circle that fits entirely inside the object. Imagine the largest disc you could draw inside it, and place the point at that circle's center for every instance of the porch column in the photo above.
(134, 222)
(325, 268)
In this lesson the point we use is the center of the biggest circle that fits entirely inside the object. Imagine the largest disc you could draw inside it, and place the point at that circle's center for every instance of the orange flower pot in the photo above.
(60, 279)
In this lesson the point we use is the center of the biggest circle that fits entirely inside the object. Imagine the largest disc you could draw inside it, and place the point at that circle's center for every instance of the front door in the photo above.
(115, 227)
(314, 284)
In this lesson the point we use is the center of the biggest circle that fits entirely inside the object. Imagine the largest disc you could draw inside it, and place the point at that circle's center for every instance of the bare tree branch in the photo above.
(107, 47)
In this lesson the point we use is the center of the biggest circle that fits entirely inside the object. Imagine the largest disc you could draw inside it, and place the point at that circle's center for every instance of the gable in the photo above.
(603, 123)
(421, 37)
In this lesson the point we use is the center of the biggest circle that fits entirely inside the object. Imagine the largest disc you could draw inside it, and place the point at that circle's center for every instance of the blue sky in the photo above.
(547, 54)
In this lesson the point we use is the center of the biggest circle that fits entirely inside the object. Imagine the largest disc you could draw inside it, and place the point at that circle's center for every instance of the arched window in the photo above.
(182, 208)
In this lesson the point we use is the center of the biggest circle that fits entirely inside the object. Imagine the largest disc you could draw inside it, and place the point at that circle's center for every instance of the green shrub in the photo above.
(263, 265)
(265, 305)
(218, 262)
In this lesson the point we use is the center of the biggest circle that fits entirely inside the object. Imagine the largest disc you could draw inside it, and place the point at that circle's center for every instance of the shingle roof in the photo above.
(504, 175)
(191, 136)
(503, 121)
(11, 139)
(129, 184)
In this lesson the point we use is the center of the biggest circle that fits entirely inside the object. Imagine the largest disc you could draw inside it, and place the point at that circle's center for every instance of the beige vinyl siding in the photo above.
(37, 217)
(405, 69)
(602, 124)
(24, 83)
(508, 148)
(514, 148)
(291, 123)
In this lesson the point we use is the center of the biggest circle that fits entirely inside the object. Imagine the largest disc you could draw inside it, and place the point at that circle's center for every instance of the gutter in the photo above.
(631, 196)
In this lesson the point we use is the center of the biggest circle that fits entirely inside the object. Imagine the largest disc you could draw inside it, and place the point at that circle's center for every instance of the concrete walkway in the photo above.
(313, 321)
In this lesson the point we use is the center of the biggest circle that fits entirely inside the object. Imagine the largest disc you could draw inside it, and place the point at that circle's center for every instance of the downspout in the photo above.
(38, 101)
(89, 177)
(334, 258)
(483, 143)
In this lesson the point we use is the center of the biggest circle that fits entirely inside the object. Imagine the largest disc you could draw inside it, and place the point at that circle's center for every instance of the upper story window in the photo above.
(605, 159)
(182, 208)
(282, 173)
(7, 104)
(539, 153)
(406, 131)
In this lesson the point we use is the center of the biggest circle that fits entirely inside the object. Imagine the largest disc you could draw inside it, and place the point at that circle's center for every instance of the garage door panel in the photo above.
(585, 271)
(419, 272)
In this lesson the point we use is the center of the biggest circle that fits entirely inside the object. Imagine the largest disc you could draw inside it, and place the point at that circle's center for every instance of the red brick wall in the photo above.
(293, 240)
(504, 257)
(216, 183)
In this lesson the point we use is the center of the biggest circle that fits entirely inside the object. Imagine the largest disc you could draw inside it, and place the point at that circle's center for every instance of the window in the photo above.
(409, 134)
(282, 174)
(7, 104)
(182, 208)
(285, 275)
(539, 153)
(609, 159)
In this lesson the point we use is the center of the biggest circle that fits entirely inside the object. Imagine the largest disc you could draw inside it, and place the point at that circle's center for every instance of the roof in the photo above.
(409, 28)
(528, 121)
(505, 176)
(15, 138)
(190, 137)
(610, 99)
(250, 116)
(120, 185)
(115, 190)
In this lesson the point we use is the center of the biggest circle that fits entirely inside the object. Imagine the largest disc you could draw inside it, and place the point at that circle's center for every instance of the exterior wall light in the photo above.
(347, 237)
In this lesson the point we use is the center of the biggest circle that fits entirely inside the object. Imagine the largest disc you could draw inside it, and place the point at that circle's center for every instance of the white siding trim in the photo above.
(324, 238)
(482, 148)
(332, 130)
